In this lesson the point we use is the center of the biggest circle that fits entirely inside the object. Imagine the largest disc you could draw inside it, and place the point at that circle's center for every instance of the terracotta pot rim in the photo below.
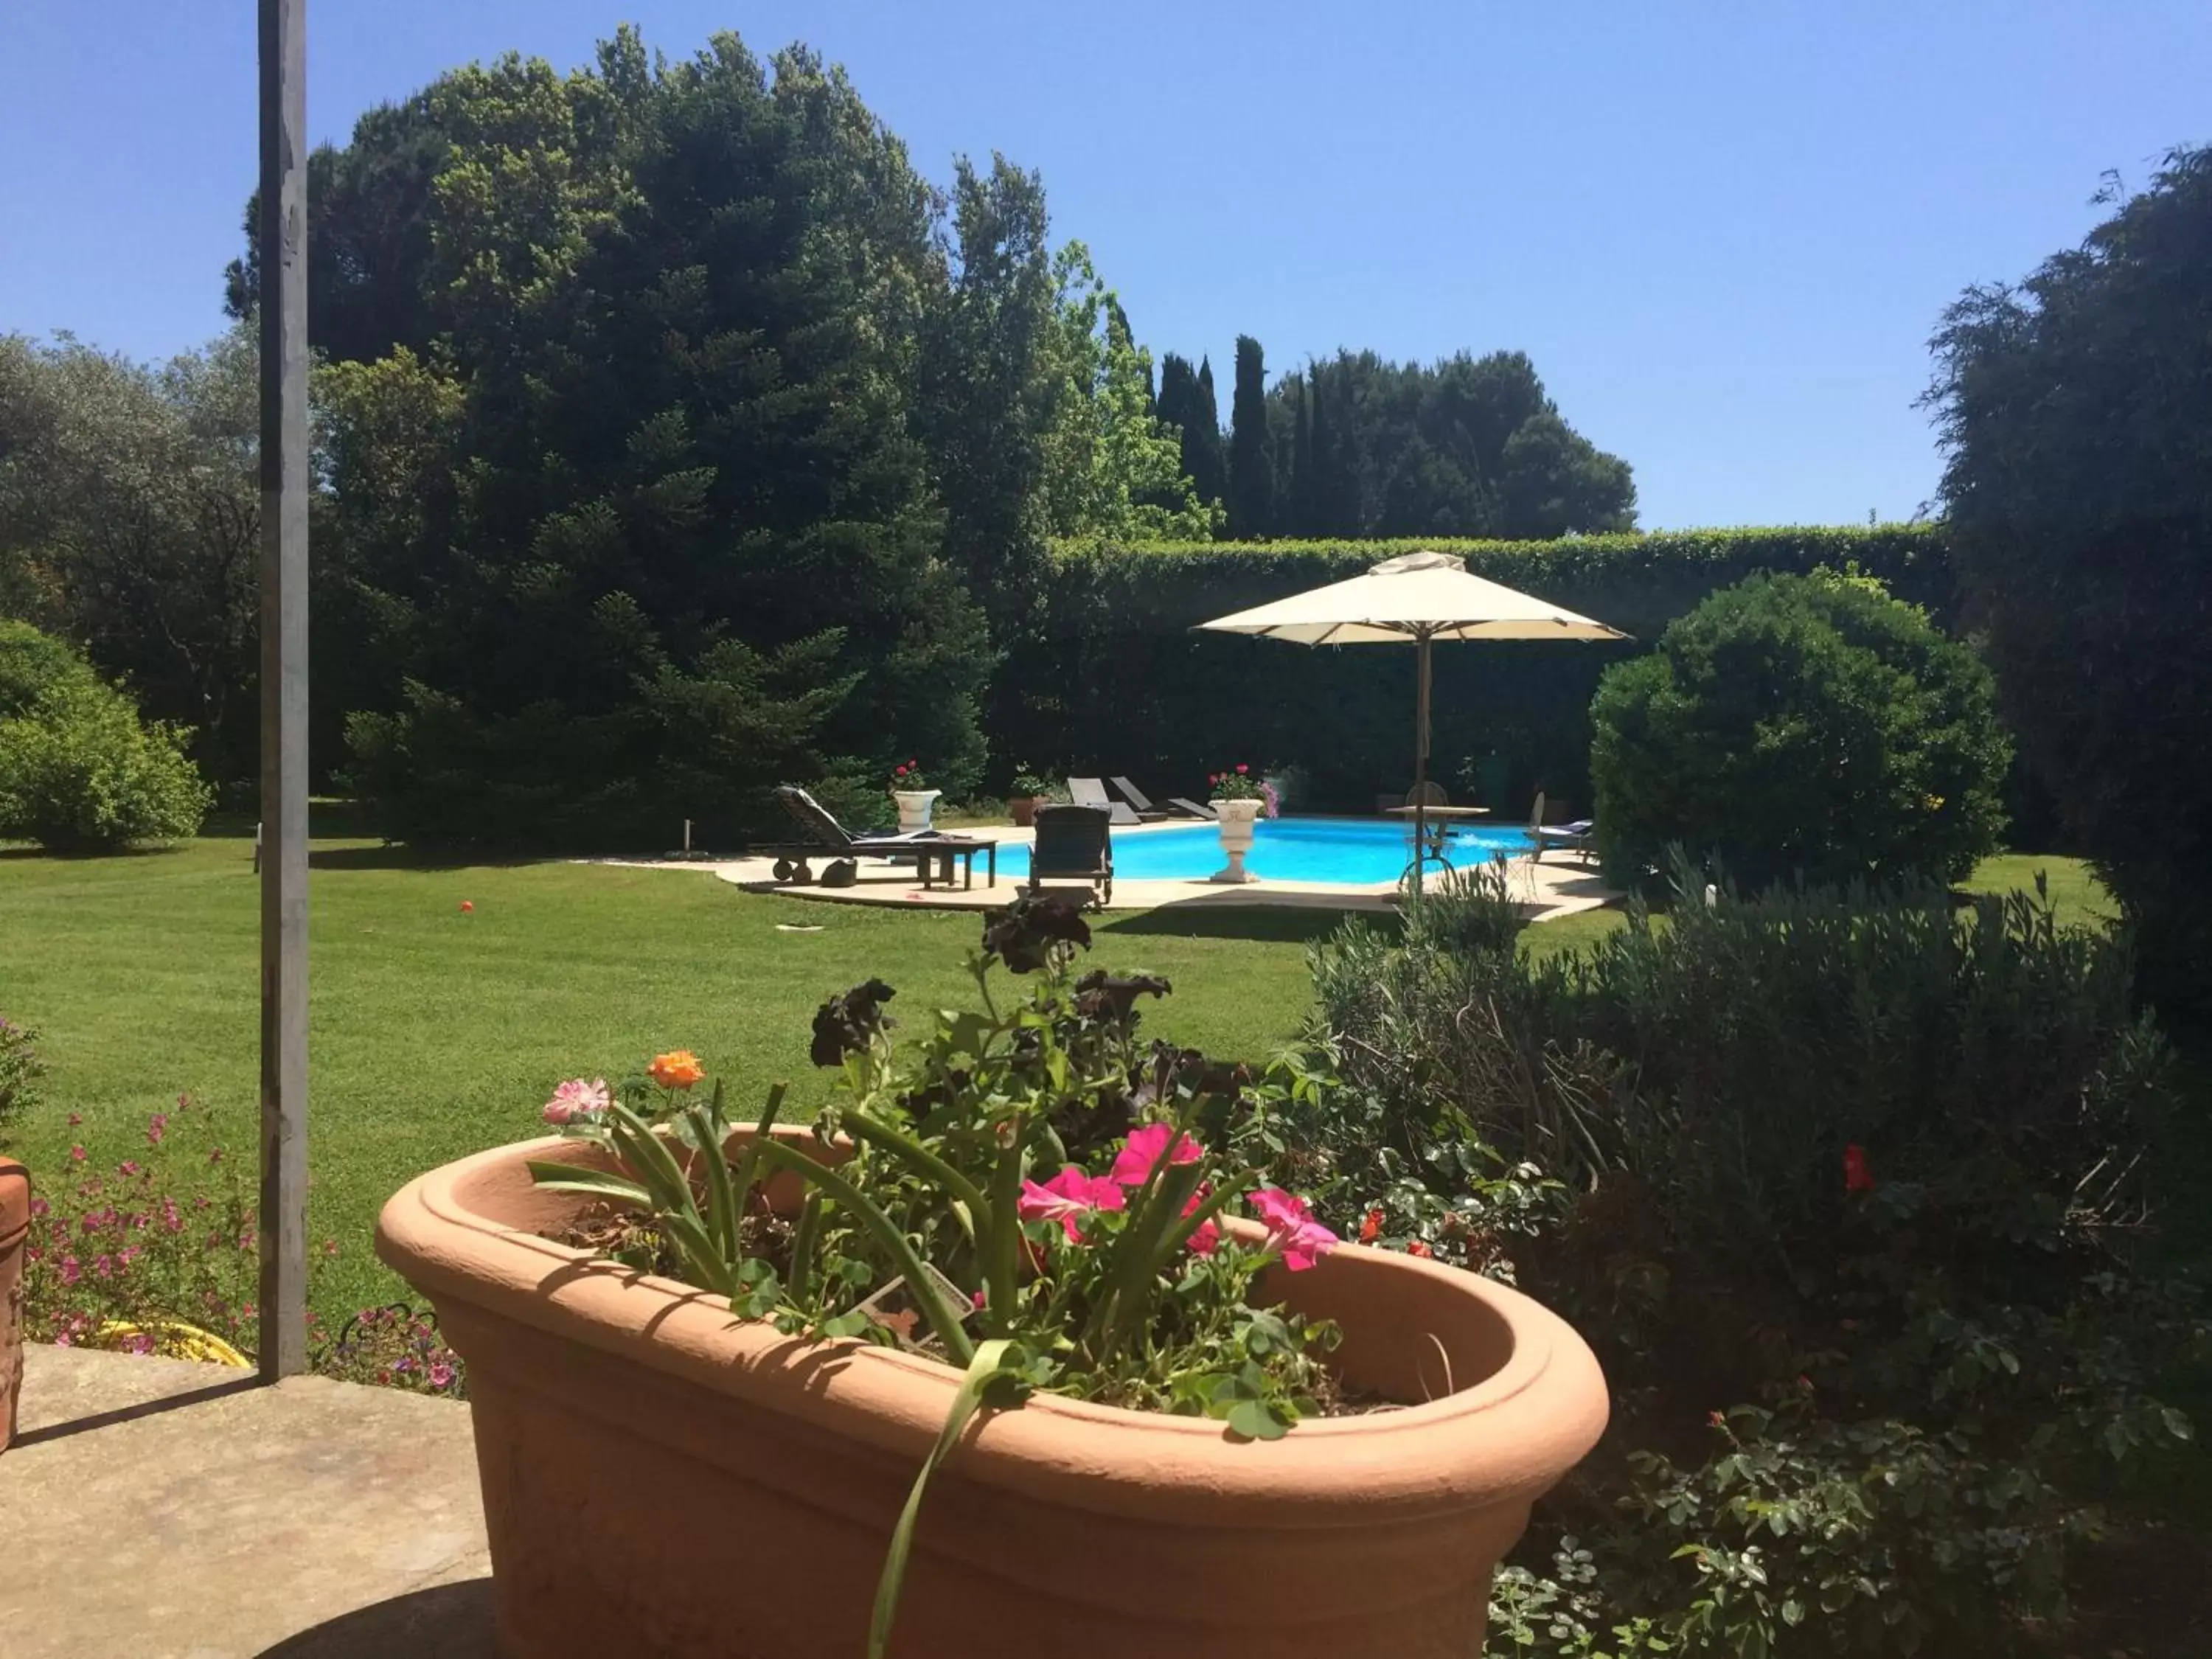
(1443, 1453)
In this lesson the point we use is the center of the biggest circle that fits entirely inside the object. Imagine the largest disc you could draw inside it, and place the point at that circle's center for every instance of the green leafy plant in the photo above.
(1800, 726)
(1237, 782)
(1030, 784)
(1848, 1190)
(1031, 1194)
(80, 773)
(21, 1071)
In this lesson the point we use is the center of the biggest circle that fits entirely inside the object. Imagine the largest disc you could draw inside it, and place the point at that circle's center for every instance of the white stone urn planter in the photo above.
(914, 806)
(1236, 822)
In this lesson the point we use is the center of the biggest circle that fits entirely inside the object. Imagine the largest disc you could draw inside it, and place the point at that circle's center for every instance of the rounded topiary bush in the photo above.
(1800, 724)
(79, 772)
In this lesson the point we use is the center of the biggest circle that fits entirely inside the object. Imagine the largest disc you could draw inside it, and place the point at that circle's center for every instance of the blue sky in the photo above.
(1723, 230)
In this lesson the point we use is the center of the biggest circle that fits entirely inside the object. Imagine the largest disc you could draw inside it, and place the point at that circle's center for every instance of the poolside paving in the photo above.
(158, 1509)
(1545, 891)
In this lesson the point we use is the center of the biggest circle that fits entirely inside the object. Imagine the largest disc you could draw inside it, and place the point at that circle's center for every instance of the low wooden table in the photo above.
(935, 860)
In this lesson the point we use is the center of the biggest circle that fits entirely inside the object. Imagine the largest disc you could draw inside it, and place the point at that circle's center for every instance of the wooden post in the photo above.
(1420, 759)
(281, 237)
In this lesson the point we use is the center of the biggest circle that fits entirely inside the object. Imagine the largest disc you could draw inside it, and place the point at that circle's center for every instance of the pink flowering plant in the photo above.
(118, 1254)
(1240, 782)
(1030, 1192)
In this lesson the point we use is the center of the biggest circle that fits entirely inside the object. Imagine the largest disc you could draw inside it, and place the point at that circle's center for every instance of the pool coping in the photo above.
(1543, 892)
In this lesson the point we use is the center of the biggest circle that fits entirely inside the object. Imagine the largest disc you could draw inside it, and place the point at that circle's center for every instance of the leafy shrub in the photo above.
(20, 1069)
(30, 662)
(2073, 413)
(1807, 725)
(1845, 1189)
(80, 773)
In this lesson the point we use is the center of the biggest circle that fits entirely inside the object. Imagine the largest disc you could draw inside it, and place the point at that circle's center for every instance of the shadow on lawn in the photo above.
(399, 855)
(1200, 920)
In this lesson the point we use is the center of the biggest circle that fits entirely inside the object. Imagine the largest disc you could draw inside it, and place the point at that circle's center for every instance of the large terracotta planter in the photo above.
(659, 1478)
(15, 1227)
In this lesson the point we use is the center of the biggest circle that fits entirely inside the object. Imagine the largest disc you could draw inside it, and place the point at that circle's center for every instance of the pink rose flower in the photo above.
(1068, 1198)
(576, 1099)
(1291, 1228)
(1145, 1147)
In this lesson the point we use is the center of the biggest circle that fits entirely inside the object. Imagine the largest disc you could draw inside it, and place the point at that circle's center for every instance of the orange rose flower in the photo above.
(679, 1070)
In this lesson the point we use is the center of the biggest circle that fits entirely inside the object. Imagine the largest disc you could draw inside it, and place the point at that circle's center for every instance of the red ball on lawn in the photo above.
(466, 905)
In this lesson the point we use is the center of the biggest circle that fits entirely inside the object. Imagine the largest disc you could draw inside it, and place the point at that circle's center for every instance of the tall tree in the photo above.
(690, 547)
(1186, 403)
(1113, 468)
(990, 381)
(129, 518)
(1251, 448)
(2075, 414)
(1466, 447)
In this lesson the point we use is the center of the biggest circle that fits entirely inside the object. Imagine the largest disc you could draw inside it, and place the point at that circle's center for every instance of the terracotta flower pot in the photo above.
(661, 1478)
(15, 1227)
(1023, 808)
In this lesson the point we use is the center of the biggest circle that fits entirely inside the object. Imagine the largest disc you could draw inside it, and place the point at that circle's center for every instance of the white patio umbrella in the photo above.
(1415, 599)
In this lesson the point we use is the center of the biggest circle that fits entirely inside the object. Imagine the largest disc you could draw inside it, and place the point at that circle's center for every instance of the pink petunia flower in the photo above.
(1068, 1197)
(126, 1168)
(1291, 1228)
(70, 1271)
(38, 1206)
(576, 1099)
(1208, 1237)
(156, 1126)
(77, 1154)
(441, 1374)
(1145, 1149)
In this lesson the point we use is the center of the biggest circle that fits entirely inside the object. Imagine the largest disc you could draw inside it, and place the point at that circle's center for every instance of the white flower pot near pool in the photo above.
(914, 806)
(1235, 818)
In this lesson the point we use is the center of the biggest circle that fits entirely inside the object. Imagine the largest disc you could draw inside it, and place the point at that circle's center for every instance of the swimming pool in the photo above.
(1350, 851)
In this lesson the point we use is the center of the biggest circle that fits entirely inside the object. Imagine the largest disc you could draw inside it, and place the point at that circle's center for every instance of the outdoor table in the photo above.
(1440, 821)
(935, 860)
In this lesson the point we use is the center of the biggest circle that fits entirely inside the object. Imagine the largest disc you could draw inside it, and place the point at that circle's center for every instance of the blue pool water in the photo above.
(1348, 850)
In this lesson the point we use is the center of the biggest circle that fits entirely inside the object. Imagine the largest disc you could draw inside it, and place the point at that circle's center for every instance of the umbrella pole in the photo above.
(1420, 761)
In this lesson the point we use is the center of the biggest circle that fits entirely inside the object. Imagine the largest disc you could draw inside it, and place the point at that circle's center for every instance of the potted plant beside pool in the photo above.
(1031, 790)
(916, 799)
(1009, 1347)
(1238, 800)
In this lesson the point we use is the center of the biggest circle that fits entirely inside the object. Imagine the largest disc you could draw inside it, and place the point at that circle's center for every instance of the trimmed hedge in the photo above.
(1118, 681)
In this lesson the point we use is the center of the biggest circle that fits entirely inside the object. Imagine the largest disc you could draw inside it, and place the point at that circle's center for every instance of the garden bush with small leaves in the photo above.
(1849, 1191)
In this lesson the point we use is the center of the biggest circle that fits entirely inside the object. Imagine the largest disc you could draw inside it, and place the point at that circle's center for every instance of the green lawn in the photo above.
(437, 1032)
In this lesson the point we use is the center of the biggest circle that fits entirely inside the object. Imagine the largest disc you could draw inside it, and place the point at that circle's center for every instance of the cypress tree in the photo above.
(1251, 452)
(1186, 402)
(1304, 494)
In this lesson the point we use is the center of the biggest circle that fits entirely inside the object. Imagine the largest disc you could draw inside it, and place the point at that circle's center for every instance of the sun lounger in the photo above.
(1571, 837)
(1090, 792)
(1177, 805)
(1073, 844)
(820, 835)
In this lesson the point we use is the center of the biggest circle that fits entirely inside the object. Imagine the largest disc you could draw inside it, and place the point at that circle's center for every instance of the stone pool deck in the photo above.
(1562, 886)
(156, 1509)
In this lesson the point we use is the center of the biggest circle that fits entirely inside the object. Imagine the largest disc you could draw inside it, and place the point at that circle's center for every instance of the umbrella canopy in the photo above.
(1418, 596)
(1415, 599)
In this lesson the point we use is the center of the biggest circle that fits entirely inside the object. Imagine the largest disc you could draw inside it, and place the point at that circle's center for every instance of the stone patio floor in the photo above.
(156, 1509)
